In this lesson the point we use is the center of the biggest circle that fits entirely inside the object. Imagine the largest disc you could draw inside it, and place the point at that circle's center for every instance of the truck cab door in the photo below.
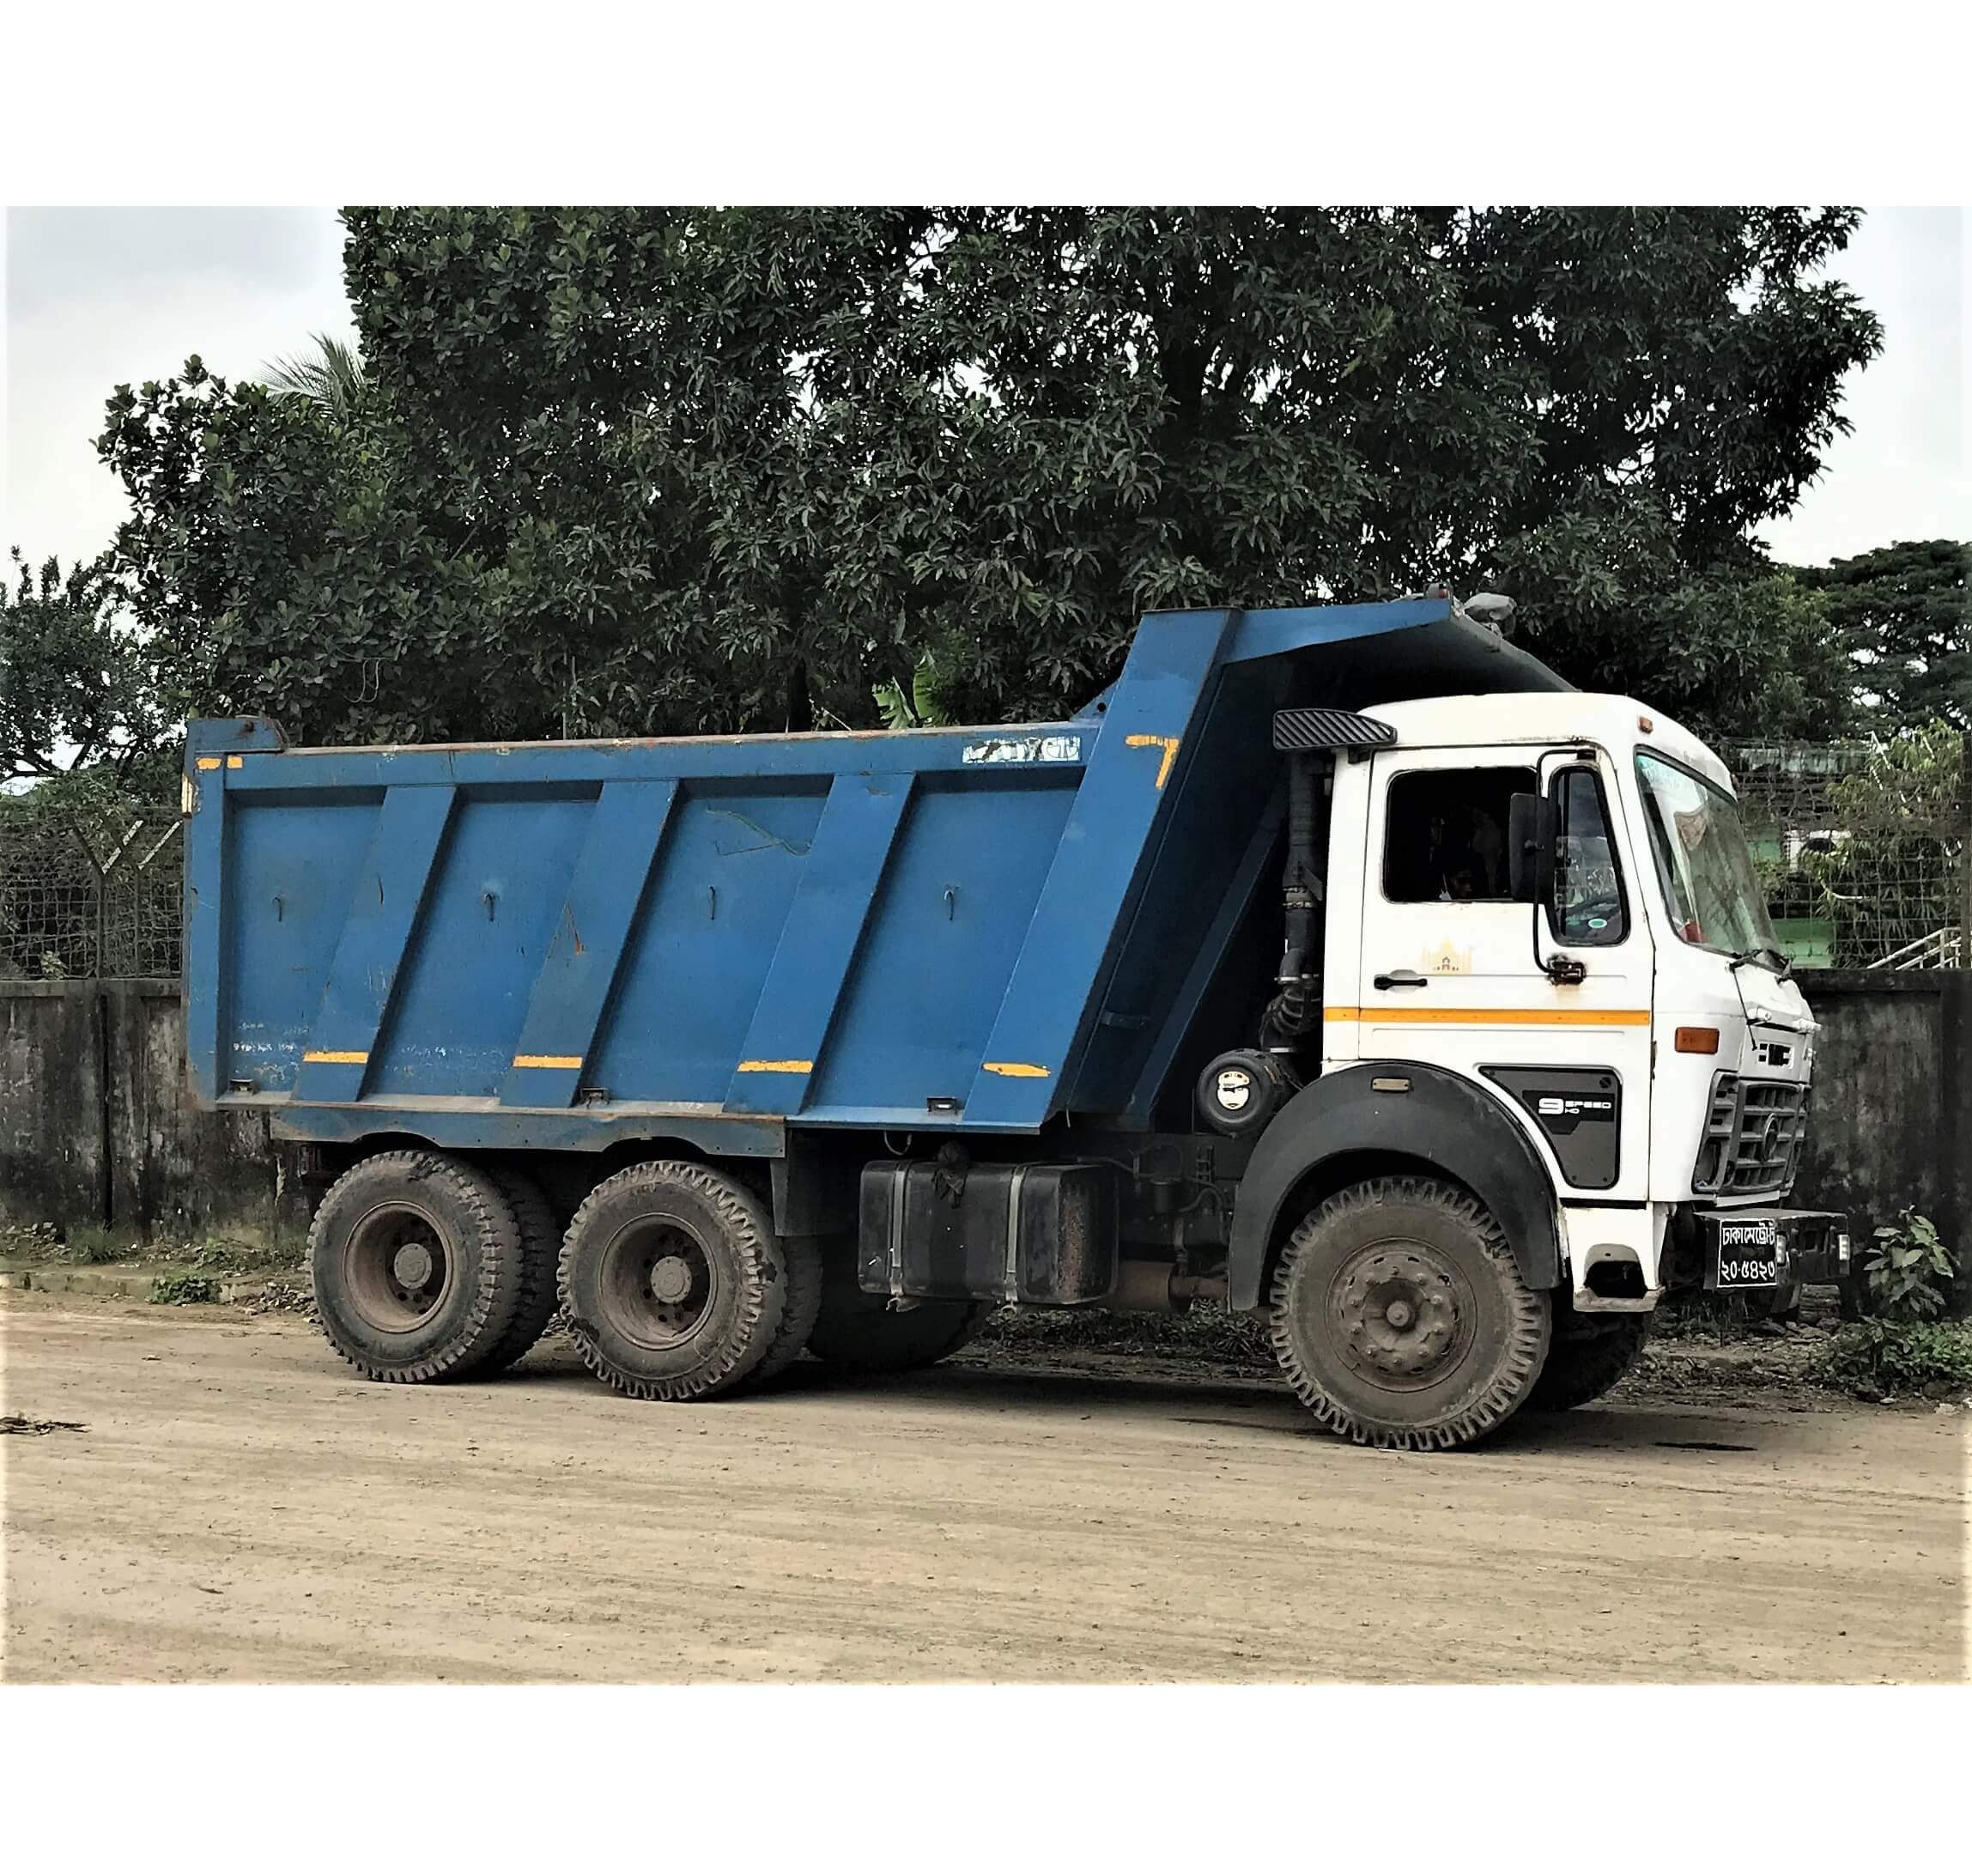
(1458, 973)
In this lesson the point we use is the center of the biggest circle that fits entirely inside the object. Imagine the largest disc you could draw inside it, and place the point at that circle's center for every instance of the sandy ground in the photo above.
(236, 1505)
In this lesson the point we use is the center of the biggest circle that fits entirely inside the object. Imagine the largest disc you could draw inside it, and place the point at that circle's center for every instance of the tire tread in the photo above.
(499, 1292)
(1527, 1338)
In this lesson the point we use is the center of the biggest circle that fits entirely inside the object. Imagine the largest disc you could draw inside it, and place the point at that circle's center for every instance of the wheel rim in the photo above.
(1402, 1314)
(398, 1267)
(658, 1282)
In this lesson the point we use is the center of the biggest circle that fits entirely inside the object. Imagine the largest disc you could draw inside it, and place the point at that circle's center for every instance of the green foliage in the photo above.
(333, 378)
(1608, 599)
(925, 705)
(1898, 842)
(617, 472)
(78, 687)
(1904, 617)
(182, 1287)
(1909, 1271)
(1875, 1358)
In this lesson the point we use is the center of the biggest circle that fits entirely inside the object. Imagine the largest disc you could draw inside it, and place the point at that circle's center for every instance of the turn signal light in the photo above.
(1698, 1041)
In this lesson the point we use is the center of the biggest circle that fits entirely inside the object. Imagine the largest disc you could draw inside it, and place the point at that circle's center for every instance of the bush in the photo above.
(1909, 1271)
(180, 1287)
(1875, 1358)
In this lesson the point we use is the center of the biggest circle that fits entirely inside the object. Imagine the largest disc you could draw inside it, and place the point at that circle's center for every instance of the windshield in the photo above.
(1702, 862)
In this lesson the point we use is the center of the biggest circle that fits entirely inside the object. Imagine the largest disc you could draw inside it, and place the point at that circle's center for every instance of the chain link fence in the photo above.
(1862, 849)
(95, 893)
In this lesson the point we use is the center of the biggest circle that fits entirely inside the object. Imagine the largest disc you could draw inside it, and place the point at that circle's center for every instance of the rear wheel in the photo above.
(860, 1333)
(673, 1282)
(540, 1250)
(418, 1267)
(803, 1260)
(1400, 1320)
(1587, 1358)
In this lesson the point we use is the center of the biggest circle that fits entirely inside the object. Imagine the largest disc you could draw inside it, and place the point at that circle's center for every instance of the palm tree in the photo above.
(334, 380)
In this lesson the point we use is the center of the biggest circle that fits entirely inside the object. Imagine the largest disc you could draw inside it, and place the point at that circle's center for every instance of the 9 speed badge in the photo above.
(1748, 1253)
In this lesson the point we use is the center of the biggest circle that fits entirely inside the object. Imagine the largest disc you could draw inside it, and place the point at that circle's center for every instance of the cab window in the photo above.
(1588, 902)
(1445, 833)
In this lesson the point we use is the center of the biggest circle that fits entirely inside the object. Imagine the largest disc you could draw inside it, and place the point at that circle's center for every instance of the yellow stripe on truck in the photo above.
(1410, 1012)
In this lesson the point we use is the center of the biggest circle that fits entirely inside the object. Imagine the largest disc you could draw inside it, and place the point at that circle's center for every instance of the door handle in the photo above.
(1399, 980)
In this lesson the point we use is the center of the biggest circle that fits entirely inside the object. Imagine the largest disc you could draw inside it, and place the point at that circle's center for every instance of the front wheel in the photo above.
(1400, 1318)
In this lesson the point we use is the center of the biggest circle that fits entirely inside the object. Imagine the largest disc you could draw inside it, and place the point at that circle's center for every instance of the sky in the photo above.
(97, 297)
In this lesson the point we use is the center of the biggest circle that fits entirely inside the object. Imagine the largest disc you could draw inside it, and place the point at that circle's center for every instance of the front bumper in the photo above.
(1773, 1251)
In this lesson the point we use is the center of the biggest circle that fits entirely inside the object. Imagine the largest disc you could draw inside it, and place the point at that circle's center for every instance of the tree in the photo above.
(1734, 651)
(626, 472)
(78, 687)
(1904, 617)
(1890, 877)
(333, 378)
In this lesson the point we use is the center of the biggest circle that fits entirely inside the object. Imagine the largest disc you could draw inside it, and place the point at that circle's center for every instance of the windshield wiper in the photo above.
(1786, 964)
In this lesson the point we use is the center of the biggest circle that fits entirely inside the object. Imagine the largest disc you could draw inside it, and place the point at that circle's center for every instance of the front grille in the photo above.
(1753, 1136)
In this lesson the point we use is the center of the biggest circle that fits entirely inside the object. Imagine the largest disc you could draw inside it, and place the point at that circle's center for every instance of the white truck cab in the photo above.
(1558, 907)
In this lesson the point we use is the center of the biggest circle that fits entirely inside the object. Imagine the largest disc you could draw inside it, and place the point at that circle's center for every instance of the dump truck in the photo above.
(1340, 965)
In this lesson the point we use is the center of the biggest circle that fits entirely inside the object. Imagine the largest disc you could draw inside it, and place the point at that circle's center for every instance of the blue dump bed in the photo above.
(711, 939)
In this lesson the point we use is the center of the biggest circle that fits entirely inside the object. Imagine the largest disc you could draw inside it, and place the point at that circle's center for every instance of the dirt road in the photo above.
(237, 1505)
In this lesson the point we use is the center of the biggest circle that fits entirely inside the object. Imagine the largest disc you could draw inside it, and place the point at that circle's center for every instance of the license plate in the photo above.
(1749, 1254)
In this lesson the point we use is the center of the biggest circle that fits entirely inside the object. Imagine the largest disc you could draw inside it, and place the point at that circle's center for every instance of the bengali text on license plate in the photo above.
(1748, 1254)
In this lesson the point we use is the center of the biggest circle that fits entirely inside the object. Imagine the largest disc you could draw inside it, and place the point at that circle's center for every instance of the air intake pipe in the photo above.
(1296, 1008)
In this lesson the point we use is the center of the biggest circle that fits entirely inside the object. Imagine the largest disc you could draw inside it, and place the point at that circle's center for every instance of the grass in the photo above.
(1875, 1360)
(96, 1244)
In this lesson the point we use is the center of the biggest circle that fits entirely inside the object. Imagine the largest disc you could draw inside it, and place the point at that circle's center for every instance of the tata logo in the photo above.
(1025, 749)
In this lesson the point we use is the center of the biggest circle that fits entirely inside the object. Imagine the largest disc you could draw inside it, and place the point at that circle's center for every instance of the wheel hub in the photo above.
(1397, 1313)
(657, 1284)
(399, 1265)
(671, 1279)
(412, 1265)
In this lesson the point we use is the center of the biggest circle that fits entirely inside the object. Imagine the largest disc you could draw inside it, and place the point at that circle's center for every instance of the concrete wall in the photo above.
(1892, 1120)
(97, 1126)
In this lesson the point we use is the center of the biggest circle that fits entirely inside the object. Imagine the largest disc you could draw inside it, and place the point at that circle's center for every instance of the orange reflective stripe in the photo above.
(1410, 1012)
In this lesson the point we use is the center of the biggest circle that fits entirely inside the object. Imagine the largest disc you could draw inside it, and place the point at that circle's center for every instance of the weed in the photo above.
(183, 1286)
(1909, 1271)
(1873, 1359)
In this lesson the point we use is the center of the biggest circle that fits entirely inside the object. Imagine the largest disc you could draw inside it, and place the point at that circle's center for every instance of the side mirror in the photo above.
(1530, 849)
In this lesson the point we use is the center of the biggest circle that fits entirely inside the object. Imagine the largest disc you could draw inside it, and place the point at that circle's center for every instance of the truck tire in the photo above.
(540, 1254)
(861, 1334)
(673, 1283)
(804, 1257)
(1400, 1320)
(1584, 1363)
(417, 1266)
